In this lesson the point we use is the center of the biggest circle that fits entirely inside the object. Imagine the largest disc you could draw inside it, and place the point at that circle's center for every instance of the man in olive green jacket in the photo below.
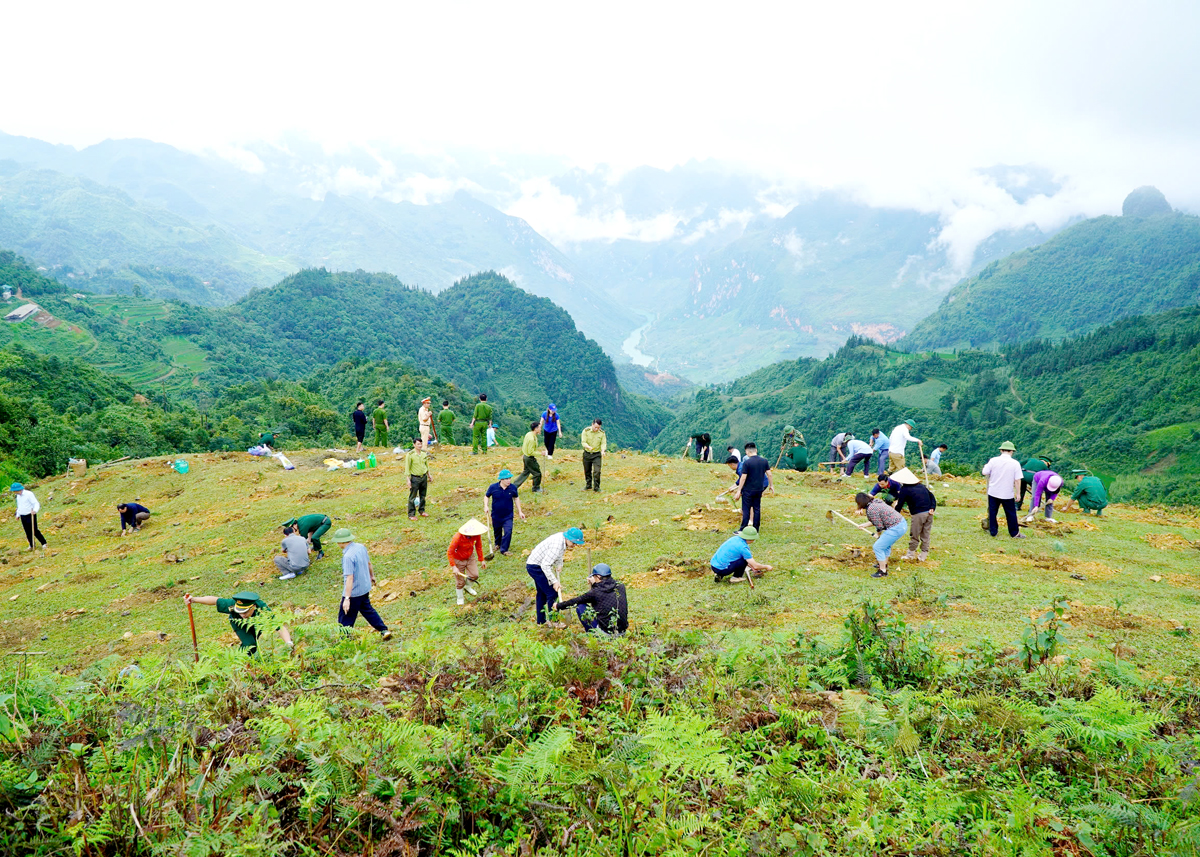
(595, 445)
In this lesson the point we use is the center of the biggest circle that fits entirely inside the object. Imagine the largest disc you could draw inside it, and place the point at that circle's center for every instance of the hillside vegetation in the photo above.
(1088, 275)
(990, 701)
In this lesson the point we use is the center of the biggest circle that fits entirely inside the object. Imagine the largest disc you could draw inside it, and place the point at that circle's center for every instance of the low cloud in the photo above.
(557, 216)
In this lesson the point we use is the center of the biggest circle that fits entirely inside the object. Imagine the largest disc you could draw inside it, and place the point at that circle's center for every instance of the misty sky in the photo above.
(900, 102)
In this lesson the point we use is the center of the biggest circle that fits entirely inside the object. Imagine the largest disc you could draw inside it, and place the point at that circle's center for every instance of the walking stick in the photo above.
(487, 516)
(686, 447)
(192, 620)
(921, 452)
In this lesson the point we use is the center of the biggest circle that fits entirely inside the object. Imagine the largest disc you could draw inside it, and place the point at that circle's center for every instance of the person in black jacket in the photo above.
(133, 515)
(921, 506)
(602, 607)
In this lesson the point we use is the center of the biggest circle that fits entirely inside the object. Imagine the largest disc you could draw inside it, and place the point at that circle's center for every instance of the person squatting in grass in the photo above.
(595, 446)
(550, 428)
(933, 466)
(545, 565)
(529, 459)
(498, 504)
(1089, 494)
(604, 606)
(733, 557)
(248, 615)
(312, 527)
(27, 512)
(465, 554)
(1004, 478)
(890, 526)
(133, 515)
(1046, 485)
(922, 506)
(416, 470)
(753, 480)
(294, 560)
(358, 577)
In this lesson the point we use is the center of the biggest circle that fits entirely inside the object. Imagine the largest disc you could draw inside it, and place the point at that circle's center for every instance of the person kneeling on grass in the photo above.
(733, 558)
(466, 556)
(604, 606)
(889, 527)
(133, 515)
(248, 616)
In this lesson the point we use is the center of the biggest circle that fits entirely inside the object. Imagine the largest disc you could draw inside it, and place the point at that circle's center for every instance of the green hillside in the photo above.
(1090, 274)
(1123, 400)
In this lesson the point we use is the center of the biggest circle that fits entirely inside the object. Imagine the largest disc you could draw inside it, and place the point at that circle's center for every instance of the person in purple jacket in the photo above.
(1046, 484)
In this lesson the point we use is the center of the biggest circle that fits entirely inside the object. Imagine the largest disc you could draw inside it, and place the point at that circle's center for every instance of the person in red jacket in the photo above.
(466, 557)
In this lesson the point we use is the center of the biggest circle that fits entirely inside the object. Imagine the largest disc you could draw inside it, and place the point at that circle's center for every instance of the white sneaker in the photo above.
(470, 589)
(1029, 519)
(1052, 520)
(737, 579)
(287, 576)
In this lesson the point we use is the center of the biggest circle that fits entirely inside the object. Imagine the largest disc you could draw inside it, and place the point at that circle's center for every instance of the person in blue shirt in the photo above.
(733, 558)
(498, 505)
(934, 465)
(133, 515)
(358, 577)
(888, 485)
(752, 482)
(550, 428)
(856, 451)
(879, 445)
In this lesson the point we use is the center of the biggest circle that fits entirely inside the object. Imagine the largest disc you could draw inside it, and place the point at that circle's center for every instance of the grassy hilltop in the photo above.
(821, 713)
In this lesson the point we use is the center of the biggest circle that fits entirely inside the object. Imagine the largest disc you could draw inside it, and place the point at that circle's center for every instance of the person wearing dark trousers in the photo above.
(498, 505)
(595, 445)
(416, 468)
(550, 428)
(604, 607)
(360, 424)
(752, 482)
(545, 565)
(529, 460)
(133, 515)
(1004, 479)
(858, 451)
(27, 509)
(733, 557)
(359, 577)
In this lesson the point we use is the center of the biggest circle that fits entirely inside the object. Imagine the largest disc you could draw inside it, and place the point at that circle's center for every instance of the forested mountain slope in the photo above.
(1090, 274)
(1124, 399)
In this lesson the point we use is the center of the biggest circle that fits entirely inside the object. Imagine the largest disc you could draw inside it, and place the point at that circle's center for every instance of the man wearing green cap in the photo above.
(498, 505)
(897, 441)
(604, 607)
(1089, 494)
(733, 558)
(545, 567)
(311, 527)
(358, 577)
(248, 615)
(795, 450)
(529, 459)
(380, 418)
(1004, 479)
(480, 420)
(416, 469)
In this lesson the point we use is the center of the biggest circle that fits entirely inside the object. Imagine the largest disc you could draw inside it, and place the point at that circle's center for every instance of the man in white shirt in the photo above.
(544, 565)
(899, 438)
(1004, 480)
(27, 509)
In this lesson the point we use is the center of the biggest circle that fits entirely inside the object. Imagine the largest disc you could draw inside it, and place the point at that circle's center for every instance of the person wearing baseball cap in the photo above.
(359, 577)
(27, 509)
(498, 505)
(248, 615)
(733, 557)
(425, 420)
(604, 606)
(550, 427)
(1004, 480)
(466, 557)
(545, 565)
(1046, 485)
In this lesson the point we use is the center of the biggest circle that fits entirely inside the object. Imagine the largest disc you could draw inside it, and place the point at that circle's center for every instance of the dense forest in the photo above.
(1091, 274)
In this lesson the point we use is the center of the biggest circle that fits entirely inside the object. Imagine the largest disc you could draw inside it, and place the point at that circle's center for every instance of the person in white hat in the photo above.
(1046, 485)
(466, 557)
(922, 506)
(425, 420)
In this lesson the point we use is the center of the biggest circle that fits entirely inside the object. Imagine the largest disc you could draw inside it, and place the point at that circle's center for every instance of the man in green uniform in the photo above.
(1090, 495)
(242, 610)
(480, 421)
(795, 450)
(416, 469)
(267, 439)
(381, 424)
(445, 420)
(529, 457)
(1031, 468)
(595, 444)
(311, 527)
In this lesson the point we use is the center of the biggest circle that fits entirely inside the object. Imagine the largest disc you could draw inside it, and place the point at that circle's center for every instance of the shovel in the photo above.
(487, 516)
(921, 452)
(829, 516)
(192, 620)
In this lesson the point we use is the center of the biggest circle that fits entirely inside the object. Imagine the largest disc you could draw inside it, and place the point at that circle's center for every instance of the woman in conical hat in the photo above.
(466, 557)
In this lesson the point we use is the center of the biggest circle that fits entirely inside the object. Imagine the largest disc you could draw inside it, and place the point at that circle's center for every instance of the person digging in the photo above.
(734, 557)
(890, 526)
(466, 557)
(1046, 485)
(242, 610)
(922, 506)
(604, 606)
(544, 566)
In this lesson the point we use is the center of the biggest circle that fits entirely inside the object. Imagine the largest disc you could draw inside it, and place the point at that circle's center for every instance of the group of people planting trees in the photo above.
(603, 606)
